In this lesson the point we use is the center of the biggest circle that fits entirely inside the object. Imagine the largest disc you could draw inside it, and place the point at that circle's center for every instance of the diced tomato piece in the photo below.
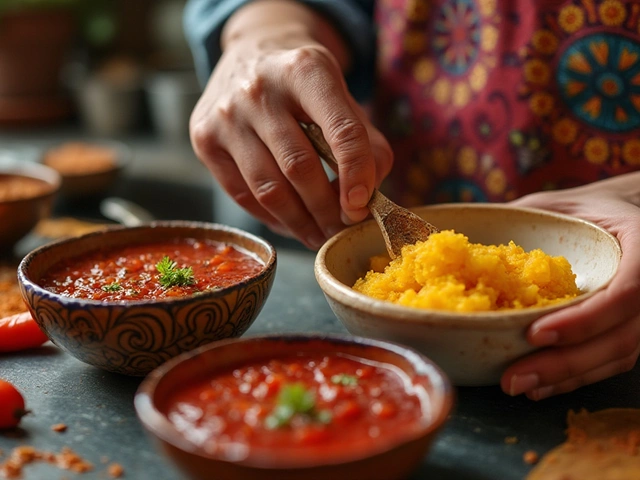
(384, 409)
(346, 411)
(312, 435)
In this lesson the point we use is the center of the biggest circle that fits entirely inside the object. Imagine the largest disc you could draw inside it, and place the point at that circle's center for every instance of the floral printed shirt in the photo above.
(488, 100)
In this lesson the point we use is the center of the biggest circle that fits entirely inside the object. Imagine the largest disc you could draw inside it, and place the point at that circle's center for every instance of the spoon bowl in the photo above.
(399, 226)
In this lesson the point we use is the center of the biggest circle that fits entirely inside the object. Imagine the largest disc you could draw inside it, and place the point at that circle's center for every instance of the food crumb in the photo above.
(23, 455)
(59, 427)
(530, 457)
(511, 440)
(115, 470)
(69, 460)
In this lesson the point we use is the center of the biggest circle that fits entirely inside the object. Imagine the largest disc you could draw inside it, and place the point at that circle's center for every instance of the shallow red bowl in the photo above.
(386, 458)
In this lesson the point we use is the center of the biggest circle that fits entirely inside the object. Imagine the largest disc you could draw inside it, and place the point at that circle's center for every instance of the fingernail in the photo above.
(543, 338)
(315, 241)
(542, 393)
(523, 383)
(358, 196)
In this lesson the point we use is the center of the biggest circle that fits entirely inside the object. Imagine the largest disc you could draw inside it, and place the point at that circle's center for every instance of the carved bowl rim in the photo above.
(63, 245)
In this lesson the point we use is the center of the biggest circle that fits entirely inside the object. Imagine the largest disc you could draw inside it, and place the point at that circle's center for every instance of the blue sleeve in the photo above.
(204, 19)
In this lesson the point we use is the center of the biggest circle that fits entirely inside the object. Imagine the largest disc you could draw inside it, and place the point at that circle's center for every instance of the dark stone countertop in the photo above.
(97, 406)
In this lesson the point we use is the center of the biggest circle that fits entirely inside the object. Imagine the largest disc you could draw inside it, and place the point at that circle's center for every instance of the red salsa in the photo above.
(339, 404)
(151, 271)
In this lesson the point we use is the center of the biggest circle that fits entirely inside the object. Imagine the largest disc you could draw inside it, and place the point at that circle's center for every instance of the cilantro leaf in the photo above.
(112, 287)
(293, 400)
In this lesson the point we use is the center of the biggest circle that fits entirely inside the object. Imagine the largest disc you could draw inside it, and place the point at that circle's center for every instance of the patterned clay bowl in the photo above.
(380, 457)
(133, 337)
(473, 348)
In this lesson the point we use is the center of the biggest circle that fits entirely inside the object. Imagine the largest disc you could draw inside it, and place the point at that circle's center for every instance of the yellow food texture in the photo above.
(447, 272)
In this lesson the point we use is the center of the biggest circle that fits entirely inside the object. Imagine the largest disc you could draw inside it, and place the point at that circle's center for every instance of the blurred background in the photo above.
(110, 67)
(102, 92)
(88, 86)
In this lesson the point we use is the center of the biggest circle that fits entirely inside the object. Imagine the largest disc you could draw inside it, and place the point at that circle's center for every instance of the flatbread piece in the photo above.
(602, 445)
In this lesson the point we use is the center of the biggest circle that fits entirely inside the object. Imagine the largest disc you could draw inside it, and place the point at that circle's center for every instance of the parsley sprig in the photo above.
(112, 287)
(294, 400)
(171, 275)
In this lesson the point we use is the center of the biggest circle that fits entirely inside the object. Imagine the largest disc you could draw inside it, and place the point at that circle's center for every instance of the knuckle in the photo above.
(347, 135)
(269, 193)
(225, 111)
(254, 90)
(204, 139)
(297, 164)
(304, 61)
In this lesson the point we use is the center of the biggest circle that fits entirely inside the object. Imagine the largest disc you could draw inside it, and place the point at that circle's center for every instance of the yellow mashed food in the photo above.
(447, 272)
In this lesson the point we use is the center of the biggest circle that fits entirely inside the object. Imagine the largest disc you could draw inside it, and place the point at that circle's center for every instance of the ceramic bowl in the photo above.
(20, 214)
(134, 337)
(73, 161)
(382, 459)
(472, 348)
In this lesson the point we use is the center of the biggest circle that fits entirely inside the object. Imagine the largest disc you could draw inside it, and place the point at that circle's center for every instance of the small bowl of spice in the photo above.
(27, 192)
(126, 299)
(87, 169)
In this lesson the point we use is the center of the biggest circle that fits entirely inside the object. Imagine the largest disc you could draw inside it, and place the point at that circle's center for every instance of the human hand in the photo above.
(599, 337)
(245, 129)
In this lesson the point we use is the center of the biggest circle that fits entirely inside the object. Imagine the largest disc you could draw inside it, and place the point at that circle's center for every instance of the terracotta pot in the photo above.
(33, 44)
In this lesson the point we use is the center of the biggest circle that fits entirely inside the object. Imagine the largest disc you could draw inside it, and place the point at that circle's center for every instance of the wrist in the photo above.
(282, 24)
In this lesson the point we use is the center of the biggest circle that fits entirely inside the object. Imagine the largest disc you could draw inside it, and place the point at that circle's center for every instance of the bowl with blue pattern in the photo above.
(133, 336)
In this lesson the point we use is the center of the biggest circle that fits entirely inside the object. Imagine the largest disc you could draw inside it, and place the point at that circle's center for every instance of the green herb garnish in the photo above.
(293, 400)
(172, 276)
(344, 379)
(112, 287)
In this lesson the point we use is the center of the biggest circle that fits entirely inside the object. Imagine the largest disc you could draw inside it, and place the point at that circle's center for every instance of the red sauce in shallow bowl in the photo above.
(340, 404)
(296, 406)
(131, 272)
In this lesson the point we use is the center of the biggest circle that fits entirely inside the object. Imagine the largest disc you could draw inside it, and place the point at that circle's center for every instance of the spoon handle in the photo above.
(378, 201)
(315, 136)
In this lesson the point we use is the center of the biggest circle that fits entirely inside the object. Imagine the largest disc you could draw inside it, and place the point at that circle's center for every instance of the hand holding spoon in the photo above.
(399, 226)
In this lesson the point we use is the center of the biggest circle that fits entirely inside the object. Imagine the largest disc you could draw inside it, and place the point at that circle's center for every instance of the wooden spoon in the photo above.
(399, 226)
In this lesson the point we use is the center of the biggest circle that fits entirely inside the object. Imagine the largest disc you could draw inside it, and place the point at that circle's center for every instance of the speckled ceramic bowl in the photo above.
(472, 348)
(385, 458)
(18, 216)
(134, 337)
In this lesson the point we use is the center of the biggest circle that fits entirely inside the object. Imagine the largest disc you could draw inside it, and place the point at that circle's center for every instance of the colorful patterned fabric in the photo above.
(488, 100)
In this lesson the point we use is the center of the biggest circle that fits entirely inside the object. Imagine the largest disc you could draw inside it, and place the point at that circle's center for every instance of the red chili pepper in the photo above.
(20, 332)
(12, 407)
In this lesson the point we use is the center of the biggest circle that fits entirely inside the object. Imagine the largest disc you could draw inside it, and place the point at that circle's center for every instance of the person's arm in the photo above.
(283, 62)
(205, 22)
